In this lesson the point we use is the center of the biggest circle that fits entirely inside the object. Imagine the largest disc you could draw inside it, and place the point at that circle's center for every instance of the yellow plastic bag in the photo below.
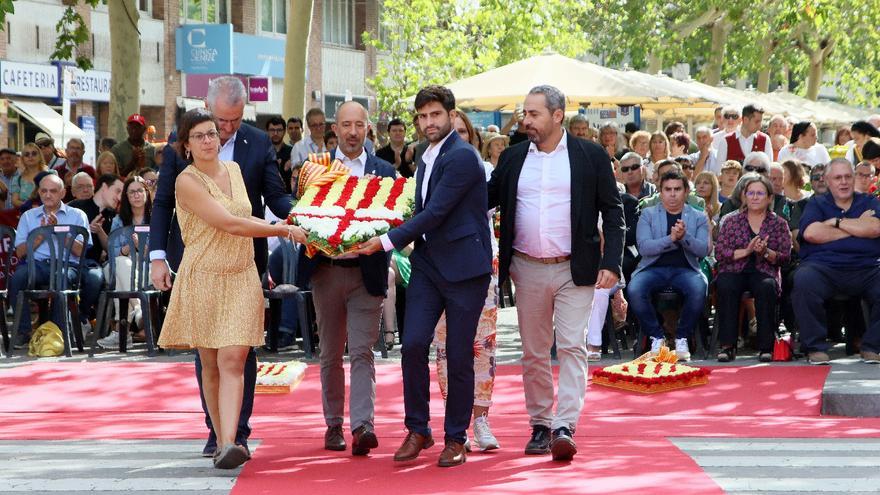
(46, 341)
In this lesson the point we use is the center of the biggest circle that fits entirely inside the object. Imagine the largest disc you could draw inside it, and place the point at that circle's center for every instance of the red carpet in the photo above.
(622, 436)
(171, 387)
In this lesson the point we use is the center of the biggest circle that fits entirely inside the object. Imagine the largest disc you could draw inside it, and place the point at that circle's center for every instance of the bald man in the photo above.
(348, 291)
(51, 213)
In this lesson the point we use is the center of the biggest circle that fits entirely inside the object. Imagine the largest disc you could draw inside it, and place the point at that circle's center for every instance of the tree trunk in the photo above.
(764, 71)
(296, 54)
(712, 70)
(125, 67)
(655, 63)
(814, 82)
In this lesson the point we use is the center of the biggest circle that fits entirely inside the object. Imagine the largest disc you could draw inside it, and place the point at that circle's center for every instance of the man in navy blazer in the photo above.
(251, 149)
(348, 291)
(451, 266)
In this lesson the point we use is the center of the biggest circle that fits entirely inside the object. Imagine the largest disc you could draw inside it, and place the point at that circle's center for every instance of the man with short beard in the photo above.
(579, 126)
(294, 130)
(551, 191)
(451, 267)
(275, 130)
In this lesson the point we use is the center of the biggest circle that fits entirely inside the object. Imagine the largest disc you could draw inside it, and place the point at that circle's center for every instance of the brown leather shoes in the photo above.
(453, 454)
(412, 445)
(363, 439)
(333, 438)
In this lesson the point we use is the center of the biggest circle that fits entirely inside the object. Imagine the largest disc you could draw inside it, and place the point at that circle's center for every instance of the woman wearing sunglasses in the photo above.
(33, 163)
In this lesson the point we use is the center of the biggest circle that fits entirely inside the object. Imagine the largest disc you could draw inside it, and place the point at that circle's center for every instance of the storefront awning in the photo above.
(50, 121)
(188, 104)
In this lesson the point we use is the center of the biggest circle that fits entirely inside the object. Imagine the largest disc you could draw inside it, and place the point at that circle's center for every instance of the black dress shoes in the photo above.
(562, 446)
(539, 444)
(333, 438)
(363, 439)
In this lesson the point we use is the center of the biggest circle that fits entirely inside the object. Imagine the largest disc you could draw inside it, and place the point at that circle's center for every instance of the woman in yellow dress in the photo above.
(217, 302)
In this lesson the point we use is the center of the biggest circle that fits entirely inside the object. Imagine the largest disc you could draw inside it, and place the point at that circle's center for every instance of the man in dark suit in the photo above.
(251, 149)
(551, 190)
(451, 266)
(348, 291)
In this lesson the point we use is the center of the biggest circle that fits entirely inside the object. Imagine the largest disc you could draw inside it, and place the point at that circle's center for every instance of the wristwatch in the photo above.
(837, 223)
(766, 254)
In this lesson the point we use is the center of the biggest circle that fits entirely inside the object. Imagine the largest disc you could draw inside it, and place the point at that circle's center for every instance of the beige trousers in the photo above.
(546, 297)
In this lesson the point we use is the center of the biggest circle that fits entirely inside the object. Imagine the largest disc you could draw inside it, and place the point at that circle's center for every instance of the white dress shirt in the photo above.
(712, 164)
(543, 203)
(745, 143)
(429, 157)
(357, 165)
(814, 155)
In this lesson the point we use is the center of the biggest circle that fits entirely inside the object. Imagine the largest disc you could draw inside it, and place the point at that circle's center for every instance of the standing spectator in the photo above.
(151, 178)
(33, 163)
(777, 178)
(861, 131)
(706, 185)
(395, 151)
(630, 174)
(794, 180)
(679, 144)
(804, 145)
(8, 175)
(99, 210)
(106, 164)
(51, 157)
(718, 118)
(672, 128)
(777, 130)
(731, 171)
(839, 254)
(52, 212)
(842, 136)
(518, 135)
(106, 145)
(83, 186)
(640, 142)
(752, 246)
(579, 126)
(331, 141)
(706, 157)
(275, 130)
(135, 153)
(865, 177)
(729, 124)
(294, 130)
(134, 209)
(658, 148)
(608, 138)
(672, 237)
(736, 145)
(75, 150)
(494, 146)
(314, 142)
(554, 259)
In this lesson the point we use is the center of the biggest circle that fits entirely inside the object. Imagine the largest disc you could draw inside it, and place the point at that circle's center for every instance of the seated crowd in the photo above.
(765, 223)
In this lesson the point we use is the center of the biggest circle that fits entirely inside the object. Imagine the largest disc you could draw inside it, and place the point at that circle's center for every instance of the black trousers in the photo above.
(729, 288)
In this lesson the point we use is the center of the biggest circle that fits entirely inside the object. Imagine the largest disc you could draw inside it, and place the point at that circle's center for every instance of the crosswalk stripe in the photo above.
(752, 460)
(778, 445)
(793, 485)
(105, 485)
(18, 467)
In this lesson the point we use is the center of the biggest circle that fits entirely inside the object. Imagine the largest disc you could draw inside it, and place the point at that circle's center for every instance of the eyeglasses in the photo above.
(314, 125)
(864, 175)
(731, 116)
(28, 154)
(45, 145)
(136, 192)
(687, 166)
(816, 177)
(751, 168)
(200, 136)
(631, 168)
(150, 182)
(756, 194)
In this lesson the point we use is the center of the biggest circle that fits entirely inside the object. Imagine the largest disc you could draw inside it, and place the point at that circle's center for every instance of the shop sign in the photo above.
(17, 78)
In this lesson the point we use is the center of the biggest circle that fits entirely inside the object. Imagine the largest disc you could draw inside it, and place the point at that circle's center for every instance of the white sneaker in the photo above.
(483, 434)
(112, 341)
(682, 350)
(656, 343)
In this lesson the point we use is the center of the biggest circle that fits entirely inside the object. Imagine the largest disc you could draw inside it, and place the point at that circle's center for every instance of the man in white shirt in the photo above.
(348, 292)
(551, 191)
(314, 142)
(706, 158)
(748, 138)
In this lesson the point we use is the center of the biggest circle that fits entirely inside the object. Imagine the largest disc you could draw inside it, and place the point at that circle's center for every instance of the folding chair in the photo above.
(141, 288)
(285, 289)
(6, 251)
(60, 239)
